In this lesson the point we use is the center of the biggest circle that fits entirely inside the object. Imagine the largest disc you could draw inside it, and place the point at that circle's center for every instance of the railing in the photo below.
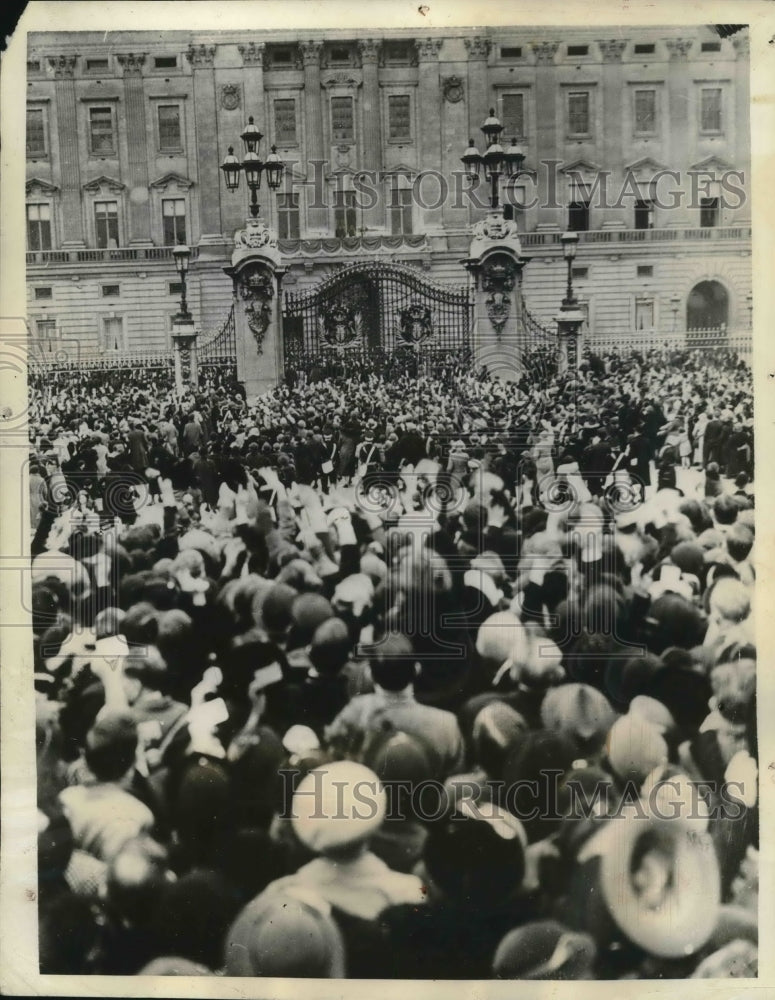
(103, 255)
(714, 233)
(69, 357)
(739, 342)
(222, 347)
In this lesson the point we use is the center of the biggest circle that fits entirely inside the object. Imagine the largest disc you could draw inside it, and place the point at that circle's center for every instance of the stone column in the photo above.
(201, 58)
(496, 263)
(545, 146)
(429, 131)
(479, 104)
(679, 157)
(256, 273)
(372, 128)
(184, 336)
(742, 147)
(67, 125)
(613, 93)
(137, 146)
(318, 197)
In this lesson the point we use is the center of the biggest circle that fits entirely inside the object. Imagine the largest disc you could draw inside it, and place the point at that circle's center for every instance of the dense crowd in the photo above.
(406, 674)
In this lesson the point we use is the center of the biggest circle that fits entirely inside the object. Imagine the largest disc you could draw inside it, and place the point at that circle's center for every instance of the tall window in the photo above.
(578, 216)
(645, 112)
(36, 132)
(345, 214)
(644, 214)
(709, 212)
(285, 121)
(106, 224)
(342, 126)
(513, 116)
(46, 328)
(112, 333)
(710, 109)
(400, 208)
(101, 139)
(39, 227)
(170, 136)
(644, 314)
(578, 113)
(288, 216)
(399, 121)
(173, 213)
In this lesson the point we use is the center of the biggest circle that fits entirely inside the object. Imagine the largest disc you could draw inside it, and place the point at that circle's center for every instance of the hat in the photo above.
(624, 681)
(276, 608)
(635, 747)
(287, 933)
(400, 757)
(545, 949)
(307, 612)
(580, 711)
(338, 805)
(173, 965)
(685, 693)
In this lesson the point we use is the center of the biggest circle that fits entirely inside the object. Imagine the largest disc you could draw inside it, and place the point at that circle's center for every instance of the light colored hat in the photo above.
(338, 805)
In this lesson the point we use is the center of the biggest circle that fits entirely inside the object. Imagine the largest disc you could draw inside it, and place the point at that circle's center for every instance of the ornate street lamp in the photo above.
(496, 160)
(252, 166)
(182, 255)
(570, 317)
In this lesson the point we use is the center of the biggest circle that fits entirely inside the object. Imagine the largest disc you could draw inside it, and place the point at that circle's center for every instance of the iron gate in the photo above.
(377, 314)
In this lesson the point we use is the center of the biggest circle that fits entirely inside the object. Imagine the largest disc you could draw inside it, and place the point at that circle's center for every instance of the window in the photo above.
(710, 109)
(513, 116)
(644, 314)
(644, 214)
(398, 53)
(101, 131)
(578, 216)
(175, 287)
(112, 333)
(44, 293)
(288, 216)
(285, 121)
(109, 291)
(106, 224)
(340, 56)
(173, 213)
(645, 270)
(36, 132)
(511, 51)
(710, 47)
(165, 62)
(33, 65)
(400, 209)
(644, 49)
(399, 120)
(169, 127)
(39, 227)
(578, 113)
(709, 212)
(46, 329)
(578, 50)
(579, 273)
(97, 65)
(645, 112)
(345, 221)
(342, 127)
(281, 57)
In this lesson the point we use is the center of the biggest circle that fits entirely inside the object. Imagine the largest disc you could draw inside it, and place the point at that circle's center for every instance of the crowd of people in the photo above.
(406, 674)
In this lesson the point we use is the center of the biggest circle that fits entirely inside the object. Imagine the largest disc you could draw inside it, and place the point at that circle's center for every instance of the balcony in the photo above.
(103, 256)
(714, 234)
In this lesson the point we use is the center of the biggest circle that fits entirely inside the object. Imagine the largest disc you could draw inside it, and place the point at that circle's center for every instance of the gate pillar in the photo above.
(496, 261)
(256, 272)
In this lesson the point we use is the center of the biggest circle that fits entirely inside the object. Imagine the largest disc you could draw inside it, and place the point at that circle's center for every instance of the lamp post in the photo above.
(495, 159)
(675, 303)
(252, 166)
(182, 255)
(570, 317)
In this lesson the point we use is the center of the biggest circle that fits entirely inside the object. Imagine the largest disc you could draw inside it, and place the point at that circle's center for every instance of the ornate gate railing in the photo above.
(375, 314)
(220, 351)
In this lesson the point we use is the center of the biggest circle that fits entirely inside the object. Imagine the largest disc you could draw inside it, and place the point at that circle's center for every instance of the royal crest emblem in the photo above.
(416, 325)
(452, 88)
(230, 97)
(340, 326)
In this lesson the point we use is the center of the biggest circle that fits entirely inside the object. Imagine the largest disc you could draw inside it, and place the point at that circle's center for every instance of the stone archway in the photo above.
(707, 307)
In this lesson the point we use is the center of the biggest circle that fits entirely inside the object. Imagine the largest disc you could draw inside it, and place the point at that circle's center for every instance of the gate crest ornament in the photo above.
(257, 292)
(498, 277)
(255, 235)
(340, 326)
(416, 325)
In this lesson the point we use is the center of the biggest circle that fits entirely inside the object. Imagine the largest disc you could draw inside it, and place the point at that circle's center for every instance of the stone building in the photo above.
(640, 142)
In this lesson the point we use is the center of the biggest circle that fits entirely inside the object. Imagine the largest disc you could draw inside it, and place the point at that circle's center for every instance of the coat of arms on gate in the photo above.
(415, 323)
(257, 292)
(340, 326)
